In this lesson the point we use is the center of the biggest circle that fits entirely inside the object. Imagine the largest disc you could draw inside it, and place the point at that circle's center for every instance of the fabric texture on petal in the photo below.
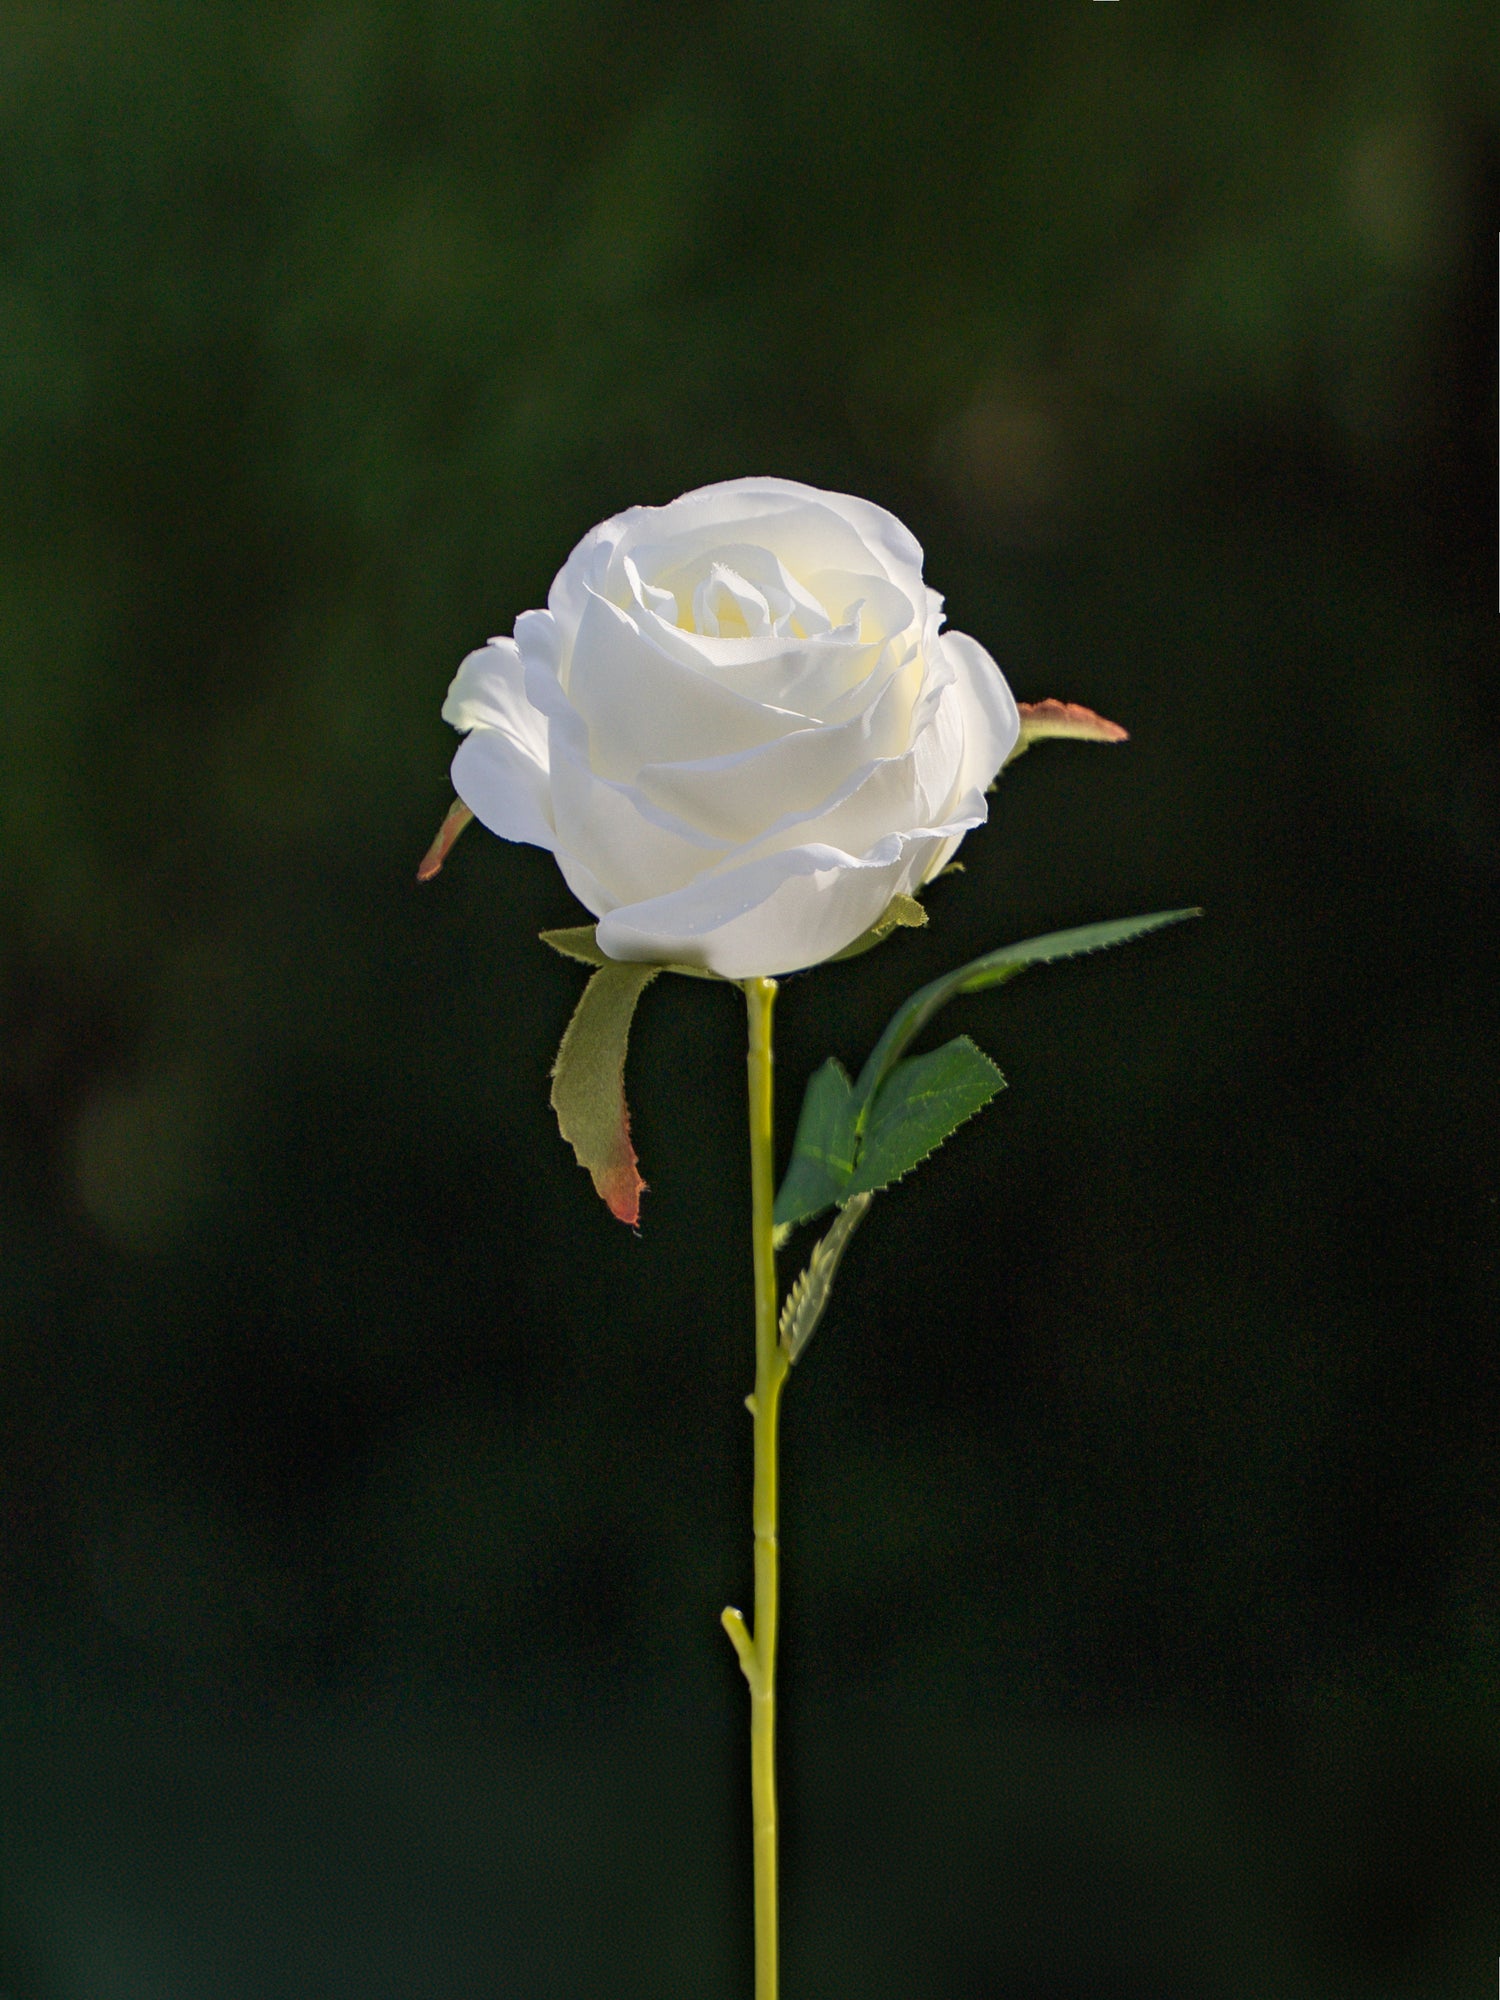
(733, 797)
(774, 915)
(642, 706)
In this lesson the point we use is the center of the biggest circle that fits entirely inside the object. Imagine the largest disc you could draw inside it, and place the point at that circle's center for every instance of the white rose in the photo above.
(738, 725)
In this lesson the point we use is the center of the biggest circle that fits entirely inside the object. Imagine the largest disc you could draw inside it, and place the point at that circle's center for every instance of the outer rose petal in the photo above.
(804, 772)
(992, 722)
(489, 692)
(774, 915)
(631, 849)
(504, 788)
(500, 770)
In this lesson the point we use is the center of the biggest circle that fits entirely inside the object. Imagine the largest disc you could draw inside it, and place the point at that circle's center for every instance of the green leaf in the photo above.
(856, 1140)
(580, 942)
(991, 970)
(823, 1150)
(900, 913)
(919, 1104)
(588, 1084)
(807, 1301)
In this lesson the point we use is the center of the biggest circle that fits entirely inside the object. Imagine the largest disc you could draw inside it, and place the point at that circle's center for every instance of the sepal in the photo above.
(1040, 719)
(456, 819)
(900, 913)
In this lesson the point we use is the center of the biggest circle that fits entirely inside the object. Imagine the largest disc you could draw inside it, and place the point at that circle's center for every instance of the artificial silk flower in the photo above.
(742, 730)
(739, 725)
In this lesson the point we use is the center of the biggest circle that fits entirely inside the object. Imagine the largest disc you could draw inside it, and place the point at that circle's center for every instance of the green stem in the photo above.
(757, 1654)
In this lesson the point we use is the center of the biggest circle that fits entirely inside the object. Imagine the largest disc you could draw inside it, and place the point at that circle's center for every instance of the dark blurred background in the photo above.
(368, 1496)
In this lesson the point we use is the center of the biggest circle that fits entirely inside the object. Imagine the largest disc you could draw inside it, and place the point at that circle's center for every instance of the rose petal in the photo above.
(540, 644)
(489, 692)
(990, 718)
(807, 529)
(779, 913)
(768, 917)
(804, 679)
(503, 789)
(500, 770)
(790, 609)
(644, 707)
(585, 885)
(939, 766)
(736, 798)
(630, 847)
(882, 796)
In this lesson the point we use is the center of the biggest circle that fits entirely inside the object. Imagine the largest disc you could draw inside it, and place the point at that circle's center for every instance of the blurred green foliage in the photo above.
(324, 1379)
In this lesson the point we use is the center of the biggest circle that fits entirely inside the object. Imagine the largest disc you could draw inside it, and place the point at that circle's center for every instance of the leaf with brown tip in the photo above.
(457, 819)
(1063, 718)
(588, 1085)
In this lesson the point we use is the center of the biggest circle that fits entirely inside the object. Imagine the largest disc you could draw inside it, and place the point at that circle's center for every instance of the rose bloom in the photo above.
(739, 726)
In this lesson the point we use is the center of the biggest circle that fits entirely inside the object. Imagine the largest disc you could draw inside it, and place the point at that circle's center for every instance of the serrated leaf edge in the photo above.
(966, 1118)
(807, 1301)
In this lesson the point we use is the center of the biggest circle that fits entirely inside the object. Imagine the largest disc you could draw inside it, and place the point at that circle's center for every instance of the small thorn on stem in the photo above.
(752, 1406)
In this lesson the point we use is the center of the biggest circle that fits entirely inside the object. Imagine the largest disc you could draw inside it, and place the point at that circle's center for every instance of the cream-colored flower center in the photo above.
(734, 592)
(726, 606)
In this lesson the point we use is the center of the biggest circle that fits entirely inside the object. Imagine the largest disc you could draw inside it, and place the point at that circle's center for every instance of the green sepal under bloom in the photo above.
(588, 1078)
(901, 913)
(857, 1138)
